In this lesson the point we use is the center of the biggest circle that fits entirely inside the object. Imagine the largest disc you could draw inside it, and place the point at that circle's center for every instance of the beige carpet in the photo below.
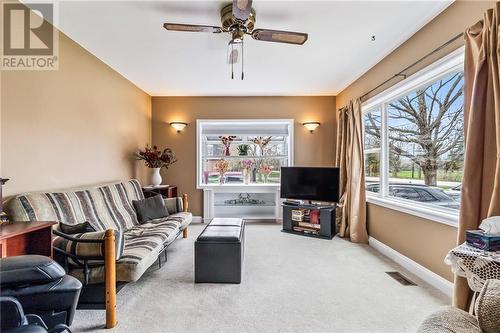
(290, 284)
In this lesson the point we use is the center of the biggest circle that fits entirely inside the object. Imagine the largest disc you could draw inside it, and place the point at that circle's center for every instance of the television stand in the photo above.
(309, 220)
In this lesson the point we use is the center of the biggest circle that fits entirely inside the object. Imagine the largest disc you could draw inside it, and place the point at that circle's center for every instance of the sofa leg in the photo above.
(185, 233)
(110, 278)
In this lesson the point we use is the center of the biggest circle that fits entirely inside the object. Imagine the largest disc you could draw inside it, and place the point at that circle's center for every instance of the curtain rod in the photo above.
(402, 72)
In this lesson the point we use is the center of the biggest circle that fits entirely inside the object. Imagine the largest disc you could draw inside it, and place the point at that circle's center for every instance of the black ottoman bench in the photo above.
(218, 252)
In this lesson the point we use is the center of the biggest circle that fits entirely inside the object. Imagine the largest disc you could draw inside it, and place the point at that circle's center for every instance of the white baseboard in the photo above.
(423, 273)
(197, 219)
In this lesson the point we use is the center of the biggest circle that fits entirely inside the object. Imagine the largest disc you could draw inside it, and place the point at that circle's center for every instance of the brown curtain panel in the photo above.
(351, 212)
(481, 182)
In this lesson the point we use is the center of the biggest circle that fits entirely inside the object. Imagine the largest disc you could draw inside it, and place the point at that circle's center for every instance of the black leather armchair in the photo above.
(42, 287)
(14, 319)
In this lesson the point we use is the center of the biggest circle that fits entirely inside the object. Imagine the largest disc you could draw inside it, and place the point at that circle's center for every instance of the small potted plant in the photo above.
(156, 159)
(226, 141)
(221, 166)
(243, 149)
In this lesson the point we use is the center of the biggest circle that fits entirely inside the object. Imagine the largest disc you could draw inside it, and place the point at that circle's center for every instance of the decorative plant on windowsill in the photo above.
(226, 141)
(243, 149)
(262, 142)
(221, 166)
(248, 166)
(156, 159)
(265, 170)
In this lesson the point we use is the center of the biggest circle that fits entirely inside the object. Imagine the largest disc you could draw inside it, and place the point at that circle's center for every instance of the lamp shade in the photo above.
(178, 125)
(311, 125)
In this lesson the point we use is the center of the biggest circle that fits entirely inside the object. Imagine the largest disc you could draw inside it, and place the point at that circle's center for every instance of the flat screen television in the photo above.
(310, 183)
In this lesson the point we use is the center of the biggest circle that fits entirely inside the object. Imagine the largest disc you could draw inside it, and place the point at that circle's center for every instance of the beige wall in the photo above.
(424, 241)
(74, 126)
(310, 149)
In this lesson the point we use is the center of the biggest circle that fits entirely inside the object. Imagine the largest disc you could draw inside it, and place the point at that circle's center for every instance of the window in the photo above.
(243, 152)
(414, 141)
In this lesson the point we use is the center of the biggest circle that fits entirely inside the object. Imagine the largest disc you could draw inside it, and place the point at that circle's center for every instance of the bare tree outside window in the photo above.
(425, 143)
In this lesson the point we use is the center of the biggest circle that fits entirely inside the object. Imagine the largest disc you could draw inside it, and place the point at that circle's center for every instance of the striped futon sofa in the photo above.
(106, 207)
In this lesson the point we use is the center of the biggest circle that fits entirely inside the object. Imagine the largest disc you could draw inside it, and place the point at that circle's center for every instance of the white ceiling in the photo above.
(129, 37)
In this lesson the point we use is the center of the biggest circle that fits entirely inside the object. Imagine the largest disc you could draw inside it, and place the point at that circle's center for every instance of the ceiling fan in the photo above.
(238, 19)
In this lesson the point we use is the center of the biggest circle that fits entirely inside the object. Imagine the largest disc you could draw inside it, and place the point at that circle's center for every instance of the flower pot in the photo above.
(156, 177)
(226, 151)
(221, 179)
(246, 176)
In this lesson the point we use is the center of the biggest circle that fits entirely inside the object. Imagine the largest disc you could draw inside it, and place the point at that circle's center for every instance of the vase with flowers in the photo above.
(265, 170)
(221, 166)
(226, 141)
(248, 166)
(156, 159)
(262, 142)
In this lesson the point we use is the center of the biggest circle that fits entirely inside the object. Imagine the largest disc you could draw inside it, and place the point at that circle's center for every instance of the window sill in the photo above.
(420, 210)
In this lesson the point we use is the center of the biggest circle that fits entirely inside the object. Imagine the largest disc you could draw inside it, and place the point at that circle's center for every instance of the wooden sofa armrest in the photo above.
(109, 268)
(185, 207)
(110, 277)
(185, 203)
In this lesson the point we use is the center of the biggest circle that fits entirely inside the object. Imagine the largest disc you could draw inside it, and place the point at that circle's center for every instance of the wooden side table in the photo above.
(18, 238)
(167, 191)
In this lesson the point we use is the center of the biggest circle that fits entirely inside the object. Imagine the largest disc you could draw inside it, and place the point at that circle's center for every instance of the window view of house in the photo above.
(424, 144)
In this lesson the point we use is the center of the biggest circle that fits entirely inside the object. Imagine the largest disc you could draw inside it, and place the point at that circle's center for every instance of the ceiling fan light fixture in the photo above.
(238, 19)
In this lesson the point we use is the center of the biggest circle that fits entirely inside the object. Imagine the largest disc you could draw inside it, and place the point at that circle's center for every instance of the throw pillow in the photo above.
(79, 228)
(150, 208)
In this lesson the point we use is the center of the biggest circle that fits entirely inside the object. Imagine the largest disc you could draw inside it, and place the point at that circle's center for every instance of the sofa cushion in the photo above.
(150, 208)
(106, 206)
(79, 228)
(143, 244)
(174, 205)
(94, 251)
(184, 218)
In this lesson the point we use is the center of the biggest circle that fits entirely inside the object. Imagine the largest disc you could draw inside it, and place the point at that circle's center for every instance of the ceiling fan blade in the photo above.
(242, 9)
(192, 28)
(278, 36)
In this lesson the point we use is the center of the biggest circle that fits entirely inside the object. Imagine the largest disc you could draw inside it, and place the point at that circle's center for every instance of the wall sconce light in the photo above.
(311, 125)
(178, 125)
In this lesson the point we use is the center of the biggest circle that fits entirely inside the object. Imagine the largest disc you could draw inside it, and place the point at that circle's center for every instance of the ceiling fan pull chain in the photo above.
(242, 57)
(232, 61)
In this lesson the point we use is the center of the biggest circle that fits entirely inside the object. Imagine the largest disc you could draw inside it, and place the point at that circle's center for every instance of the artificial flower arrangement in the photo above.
(221, 166)
(262, 142)
(265, 169)
(156, 158)
(226, 141)
(248, 166)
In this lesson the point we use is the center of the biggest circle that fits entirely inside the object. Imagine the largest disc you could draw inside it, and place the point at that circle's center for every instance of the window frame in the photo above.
(453, 62)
